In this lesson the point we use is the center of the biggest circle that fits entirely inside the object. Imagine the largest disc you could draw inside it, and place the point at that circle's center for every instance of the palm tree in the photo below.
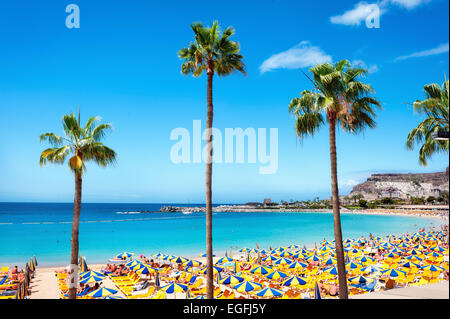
(344, 100)
(84, 144)
(214, 52)
(435, 108)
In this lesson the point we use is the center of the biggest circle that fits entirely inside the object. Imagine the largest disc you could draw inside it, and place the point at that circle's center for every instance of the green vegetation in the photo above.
(85, 146)
(339, 98)
(214, 52)
(435, 110)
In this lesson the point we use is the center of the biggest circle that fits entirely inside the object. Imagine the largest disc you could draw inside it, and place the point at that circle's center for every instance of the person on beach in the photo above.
(15, 273)
(322, 288)
(334, 290)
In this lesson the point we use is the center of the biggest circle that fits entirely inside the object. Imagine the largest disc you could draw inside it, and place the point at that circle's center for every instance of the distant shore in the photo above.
(249, 209)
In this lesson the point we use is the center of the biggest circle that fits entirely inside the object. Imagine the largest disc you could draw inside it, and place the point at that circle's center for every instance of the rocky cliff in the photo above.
(403, 185)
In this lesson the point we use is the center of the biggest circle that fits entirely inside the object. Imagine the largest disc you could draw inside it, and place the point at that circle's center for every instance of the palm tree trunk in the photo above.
(209, 148)
(343, 293)
(75, 231)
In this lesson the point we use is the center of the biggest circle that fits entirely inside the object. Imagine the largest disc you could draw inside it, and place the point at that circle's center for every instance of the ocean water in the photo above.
(43, 230)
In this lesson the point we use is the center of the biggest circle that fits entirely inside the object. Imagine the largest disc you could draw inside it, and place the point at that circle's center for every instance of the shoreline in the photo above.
(192, 255)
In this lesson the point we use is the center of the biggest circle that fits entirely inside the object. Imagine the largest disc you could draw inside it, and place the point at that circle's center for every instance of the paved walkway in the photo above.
(431, 291)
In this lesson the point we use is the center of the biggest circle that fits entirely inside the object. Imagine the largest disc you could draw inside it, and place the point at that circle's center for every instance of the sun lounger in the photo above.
(3, 280)
(148, 294)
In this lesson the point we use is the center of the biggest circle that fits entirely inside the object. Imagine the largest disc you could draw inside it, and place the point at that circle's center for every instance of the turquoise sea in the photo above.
(43, 230)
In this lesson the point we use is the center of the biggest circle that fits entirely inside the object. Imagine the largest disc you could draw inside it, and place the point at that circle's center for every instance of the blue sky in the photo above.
(122, 64)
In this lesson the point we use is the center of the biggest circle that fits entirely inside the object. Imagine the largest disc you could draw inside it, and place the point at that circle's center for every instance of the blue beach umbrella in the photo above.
(410, 264)
(313, 258)
(224, 260)
(296, 265)
(247, 286)
(433, 268)
(365, 259)
(168, 257)
(358, 279)
(91, 279)
(192, 263)
(91, 273)
(232, 280)
(261, 270)
(370, 269)
(146, 269)
(112, 297)
(317, 292)
(331, 261)
(216, 270)
(276, 275)
(124, 255)
(269, 292)
(393, 272)
(283, 261)
(174, 287)
(133, 263)
(285, 254)
(434, 254)
(414, 257)
(294, 281)
(270, 258)
(298, 255)
(179, 260)
(102, 292)
(331, 270)
(352, 265)
(204, 255)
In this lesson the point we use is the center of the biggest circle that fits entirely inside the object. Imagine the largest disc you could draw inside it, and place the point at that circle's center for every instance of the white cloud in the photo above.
(350, 182)
(356, 15)
(363, 10)
(438, 50)
(371, 69)
(301, 56)
(409, 4)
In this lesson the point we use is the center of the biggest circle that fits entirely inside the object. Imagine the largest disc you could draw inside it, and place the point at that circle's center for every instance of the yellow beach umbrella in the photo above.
(247, 286)
(276, 275)
(269, 293)
(261, 270)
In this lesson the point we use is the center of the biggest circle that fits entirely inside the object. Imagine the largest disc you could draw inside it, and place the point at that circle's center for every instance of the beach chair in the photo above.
(370, 286)
(192, 280)
(3, 280)
(421, 282)
(217, 291)
(199, 292)
(197, 284)
(390, 284)
(225, 294)
(148, 294)
(160, 295)
(4, 270)
(127, 277)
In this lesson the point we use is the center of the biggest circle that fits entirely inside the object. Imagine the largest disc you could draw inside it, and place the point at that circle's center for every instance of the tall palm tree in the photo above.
(84, 144)
(214, 52)
(339, 97)
(435, 109)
